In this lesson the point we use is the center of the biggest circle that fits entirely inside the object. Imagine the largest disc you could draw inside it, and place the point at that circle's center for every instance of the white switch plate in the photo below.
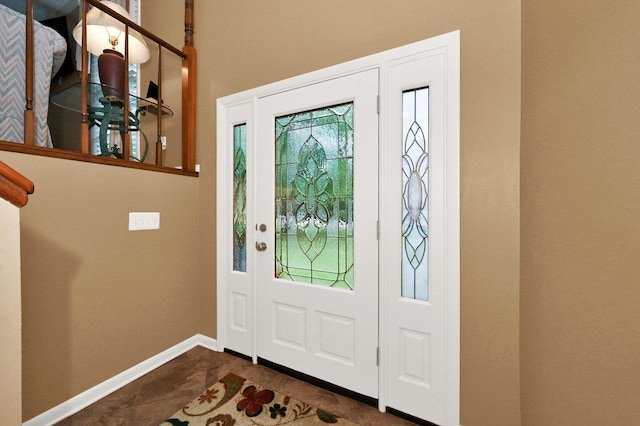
(139, 221)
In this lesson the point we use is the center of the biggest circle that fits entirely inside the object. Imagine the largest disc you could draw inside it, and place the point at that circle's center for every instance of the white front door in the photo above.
(338, 226)
(317, 197)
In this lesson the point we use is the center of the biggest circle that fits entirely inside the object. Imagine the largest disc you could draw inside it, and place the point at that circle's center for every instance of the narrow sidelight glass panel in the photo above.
(415, 194)
(239, 198)
(314, 196)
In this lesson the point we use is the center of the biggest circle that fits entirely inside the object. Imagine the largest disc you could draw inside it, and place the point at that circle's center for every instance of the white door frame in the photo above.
(245, 306)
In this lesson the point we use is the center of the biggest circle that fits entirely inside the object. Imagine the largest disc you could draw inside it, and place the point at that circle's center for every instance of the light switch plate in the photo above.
(139, 221)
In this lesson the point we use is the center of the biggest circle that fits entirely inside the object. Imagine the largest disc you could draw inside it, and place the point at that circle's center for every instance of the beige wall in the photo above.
(569, 315)
(580, 310)
(97, 298)
(246, 43)
(10, 315)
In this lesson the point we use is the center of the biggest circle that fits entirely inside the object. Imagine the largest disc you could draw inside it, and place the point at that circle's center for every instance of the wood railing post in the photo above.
(126, 137)
(189, 91)
(84, 82)
(29, 114)
(159, 121)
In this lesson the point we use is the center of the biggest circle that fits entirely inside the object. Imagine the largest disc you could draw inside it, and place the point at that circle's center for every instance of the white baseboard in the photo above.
(103, 389)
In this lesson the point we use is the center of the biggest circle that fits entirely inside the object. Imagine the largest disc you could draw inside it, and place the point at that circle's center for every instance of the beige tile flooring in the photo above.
(160, 393)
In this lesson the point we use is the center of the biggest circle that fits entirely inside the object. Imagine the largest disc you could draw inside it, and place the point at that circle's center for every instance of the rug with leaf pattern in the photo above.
(236, 401)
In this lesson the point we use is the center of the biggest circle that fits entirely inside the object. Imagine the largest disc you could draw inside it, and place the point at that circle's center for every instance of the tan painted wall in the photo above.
(10, 315)
(570, 313)
(246, 43)
(580, 310)
(86, 319)
(97, 298)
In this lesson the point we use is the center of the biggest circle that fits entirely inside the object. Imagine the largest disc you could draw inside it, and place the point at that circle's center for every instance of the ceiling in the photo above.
(44, 9)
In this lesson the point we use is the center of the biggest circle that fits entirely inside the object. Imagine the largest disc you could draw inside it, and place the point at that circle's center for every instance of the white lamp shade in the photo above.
(100, 26)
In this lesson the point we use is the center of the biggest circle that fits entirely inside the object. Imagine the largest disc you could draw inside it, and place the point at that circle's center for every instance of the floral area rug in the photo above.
(235, 401)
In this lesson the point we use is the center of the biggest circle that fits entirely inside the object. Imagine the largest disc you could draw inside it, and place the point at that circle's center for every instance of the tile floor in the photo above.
(157, 395)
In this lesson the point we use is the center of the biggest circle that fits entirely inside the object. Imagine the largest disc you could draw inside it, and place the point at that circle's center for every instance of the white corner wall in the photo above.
(10, 316)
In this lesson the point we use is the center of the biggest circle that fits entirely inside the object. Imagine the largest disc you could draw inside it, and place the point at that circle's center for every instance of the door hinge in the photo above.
(377, 356)
(378, 230)
(378, 104)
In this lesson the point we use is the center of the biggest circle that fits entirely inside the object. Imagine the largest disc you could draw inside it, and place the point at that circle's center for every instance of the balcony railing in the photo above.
(187, 56)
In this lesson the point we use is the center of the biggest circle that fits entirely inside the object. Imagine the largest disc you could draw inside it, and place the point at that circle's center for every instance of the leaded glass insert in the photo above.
(239, 198)
(314, 196)
(415, 194)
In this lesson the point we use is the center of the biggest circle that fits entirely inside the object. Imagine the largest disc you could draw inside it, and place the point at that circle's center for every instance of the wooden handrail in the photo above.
(148, 34)
(14, 187)
(94, 159)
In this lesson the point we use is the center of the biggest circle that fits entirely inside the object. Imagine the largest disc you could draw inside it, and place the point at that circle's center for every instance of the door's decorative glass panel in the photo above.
(415, 194)
(314, 196)
(239, 198)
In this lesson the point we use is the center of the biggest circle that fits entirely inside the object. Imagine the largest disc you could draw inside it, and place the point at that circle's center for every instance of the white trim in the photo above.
(109, 386)
(383, 276)
(452, 234)
(221, 217)
(352, 67)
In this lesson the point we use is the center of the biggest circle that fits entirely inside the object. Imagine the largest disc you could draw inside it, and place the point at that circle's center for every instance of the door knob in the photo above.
(261, 246)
